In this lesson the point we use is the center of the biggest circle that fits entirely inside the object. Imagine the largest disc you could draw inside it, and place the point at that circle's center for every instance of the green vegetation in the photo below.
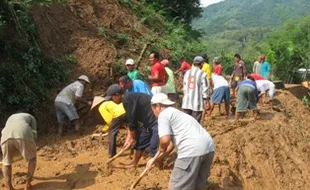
(26, 74)
(271, 27)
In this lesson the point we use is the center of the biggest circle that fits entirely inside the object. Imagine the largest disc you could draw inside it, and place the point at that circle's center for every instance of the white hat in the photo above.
(130, 62)
(84, 78)
(161, 98)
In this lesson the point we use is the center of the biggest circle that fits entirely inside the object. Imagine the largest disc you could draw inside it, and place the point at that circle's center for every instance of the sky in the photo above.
(205, 3)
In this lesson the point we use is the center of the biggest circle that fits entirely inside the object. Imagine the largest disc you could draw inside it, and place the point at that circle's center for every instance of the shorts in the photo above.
(147, 137)
(220, 94)
(235, 81)
(13, 148)
(158, 89)
(246, 99)
(65, 112)
(191, 172)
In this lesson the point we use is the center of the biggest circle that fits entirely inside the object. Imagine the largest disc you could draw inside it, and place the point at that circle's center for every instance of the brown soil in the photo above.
(270, 153)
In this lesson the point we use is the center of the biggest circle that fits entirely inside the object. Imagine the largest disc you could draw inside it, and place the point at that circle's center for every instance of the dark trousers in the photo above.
(113, 131)
(148, 137)
(195, 114)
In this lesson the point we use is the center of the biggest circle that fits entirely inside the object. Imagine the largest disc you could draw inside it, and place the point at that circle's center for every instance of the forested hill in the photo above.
(241, 14)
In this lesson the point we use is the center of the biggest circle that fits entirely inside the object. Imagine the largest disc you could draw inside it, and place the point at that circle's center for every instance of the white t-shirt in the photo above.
(69, 93)
(188, 136)
(264, 85)
(218, 81)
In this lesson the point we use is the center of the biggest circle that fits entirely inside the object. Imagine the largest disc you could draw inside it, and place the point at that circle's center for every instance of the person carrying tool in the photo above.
(113, 113)
(18, 138)
(195, 88)
(65, 100)
(194, 145)
(134, 85)
(138, 110)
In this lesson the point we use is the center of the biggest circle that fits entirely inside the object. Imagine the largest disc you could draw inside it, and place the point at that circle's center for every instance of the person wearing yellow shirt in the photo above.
(114, 114)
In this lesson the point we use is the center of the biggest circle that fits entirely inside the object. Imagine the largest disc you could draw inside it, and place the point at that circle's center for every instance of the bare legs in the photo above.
(7, 172)
(76, 123)
(31, 168)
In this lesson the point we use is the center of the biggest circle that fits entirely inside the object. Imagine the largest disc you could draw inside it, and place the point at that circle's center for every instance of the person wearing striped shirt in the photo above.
(195, 88)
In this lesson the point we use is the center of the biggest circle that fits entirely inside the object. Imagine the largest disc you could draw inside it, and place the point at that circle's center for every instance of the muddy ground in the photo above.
(270, 153)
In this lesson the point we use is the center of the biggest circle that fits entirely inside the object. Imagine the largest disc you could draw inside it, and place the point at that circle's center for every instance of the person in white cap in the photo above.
(133, 73)
(194, 145)
(65, 100)
(195, 88)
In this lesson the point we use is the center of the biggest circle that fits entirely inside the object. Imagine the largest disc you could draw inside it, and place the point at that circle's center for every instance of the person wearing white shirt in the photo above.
(194, 145)
(221, 92)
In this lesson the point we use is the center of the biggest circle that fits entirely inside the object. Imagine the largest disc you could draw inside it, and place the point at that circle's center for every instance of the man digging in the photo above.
(194, 145)
(65, 100)
(138, 110)
(18, 138)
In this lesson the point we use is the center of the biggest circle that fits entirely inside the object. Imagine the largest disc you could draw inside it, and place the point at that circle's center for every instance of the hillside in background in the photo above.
(243, 14)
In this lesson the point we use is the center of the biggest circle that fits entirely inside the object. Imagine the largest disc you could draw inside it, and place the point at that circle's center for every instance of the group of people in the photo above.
(152, 120)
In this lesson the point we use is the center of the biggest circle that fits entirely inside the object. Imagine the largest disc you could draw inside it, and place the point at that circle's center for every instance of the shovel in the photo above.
(117, 155)
(143, 173)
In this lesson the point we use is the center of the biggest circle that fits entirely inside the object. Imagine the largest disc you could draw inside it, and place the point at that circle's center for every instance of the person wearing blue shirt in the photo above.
(247, 97)
(134, 85)
(264, 67)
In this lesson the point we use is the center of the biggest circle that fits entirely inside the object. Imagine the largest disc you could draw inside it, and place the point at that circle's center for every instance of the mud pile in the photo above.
(270, 153)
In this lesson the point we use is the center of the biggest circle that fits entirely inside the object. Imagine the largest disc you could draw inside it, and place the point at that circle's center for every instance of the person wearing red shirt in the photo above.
(257, 76)
(159, 76)
(217, 67)
(184, 66)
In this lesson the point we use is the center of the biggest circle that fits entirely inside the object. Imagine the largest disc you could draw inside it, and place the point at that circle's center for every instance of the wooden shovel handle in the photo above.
(143, 173)
(117, 155)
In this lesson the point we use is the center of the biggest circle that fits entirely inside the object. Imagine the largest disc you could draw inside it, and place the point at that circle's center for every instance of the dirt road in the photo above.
(271, 153)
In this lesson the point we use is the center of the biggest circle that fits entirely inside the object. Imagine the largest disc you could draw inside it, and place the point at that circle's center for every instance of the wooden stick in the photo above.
(144, 172)
(117, 155)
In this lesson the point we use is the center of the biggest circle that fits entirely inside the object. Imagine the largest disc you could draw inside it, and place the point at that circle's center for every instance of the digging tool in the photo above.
(143, 173)
(117, 155)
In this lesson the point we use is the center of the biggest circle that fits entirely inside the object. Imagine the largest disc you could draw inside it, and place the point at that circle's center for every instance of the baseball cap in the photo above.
(216, 60)
(165, 62)
(198, 60)
(84, 78)
(112, 90)
(124, 79)
(129, 62)
(161, 98)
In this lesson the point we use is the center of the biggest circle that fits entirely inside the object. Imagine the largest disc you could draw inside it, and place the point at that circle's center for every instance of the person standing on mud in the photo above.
(221, 92)
(217, 67)
(134, 85)
(138, 110)
(256, 66)
(195, 88)
(18, 138)
(264, 67)
(194, 145)
(247, 97)
(65, 100)
(238, 75)
(159, 76)
(114, 114)
(133, 73)
(170, 86)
